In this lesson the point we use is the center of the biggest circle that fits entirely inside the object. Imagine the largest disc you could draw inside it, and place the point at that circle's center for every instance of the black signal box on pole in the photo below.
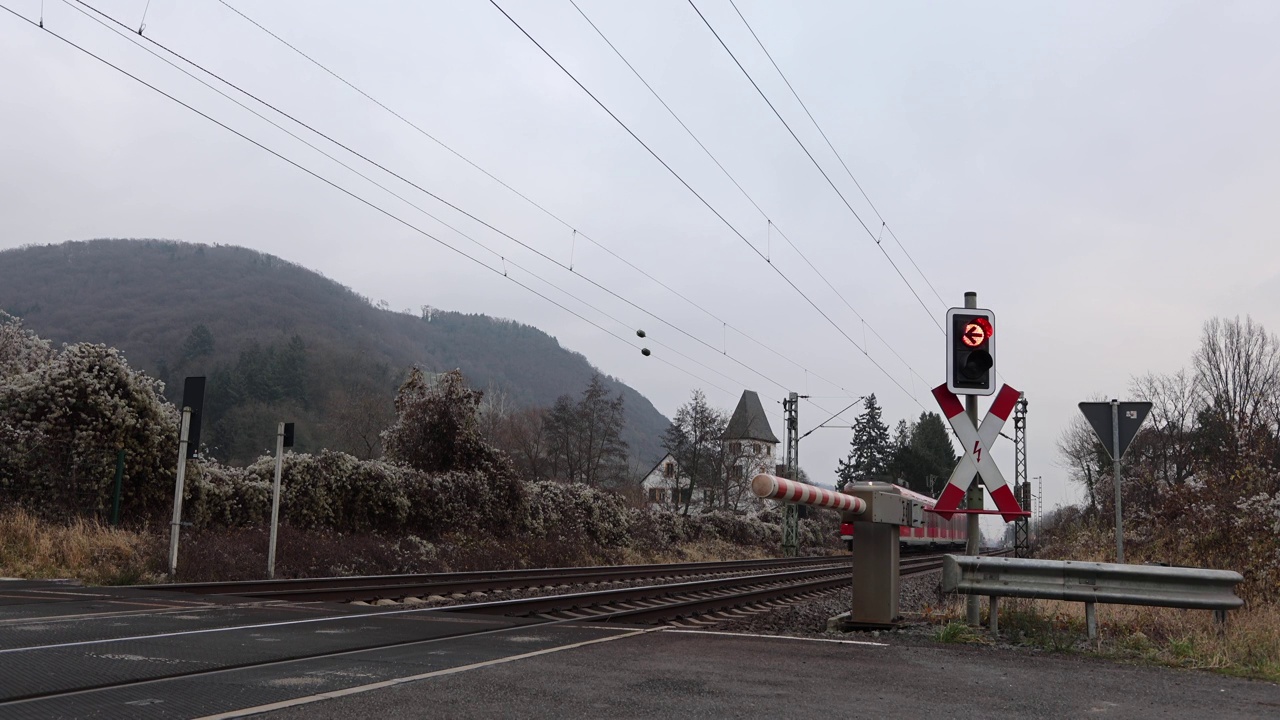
(193, 397)
(288, 434)
(971, 351)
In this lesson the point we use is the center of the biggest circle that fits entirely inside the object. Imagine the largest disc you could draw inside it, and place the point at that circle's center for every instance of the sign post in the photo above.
(175, 527)
(1116, 423)
(188, 441)
(284, 439)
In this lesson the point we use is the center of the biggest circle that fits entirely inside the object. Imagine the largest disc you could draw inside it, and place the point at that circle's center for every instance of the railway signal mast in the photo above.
(971, 371)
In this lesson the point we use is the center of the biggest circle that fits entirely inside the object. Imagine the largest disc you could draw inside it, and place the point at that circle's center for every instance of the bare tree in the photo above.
(1167, 446)
(584, 437)
(1079, 453)
(358, 416)
(1237, 367)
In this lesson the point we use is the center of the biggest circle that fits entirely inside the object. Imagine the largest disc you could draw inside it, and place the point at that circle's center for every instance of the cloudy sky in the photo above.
(1101, 174)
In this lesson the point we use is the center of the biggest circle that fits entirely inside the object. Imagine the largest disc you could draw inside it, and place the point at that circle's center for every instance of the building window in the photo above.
(755, 448)
(735, 472)
(669, 470)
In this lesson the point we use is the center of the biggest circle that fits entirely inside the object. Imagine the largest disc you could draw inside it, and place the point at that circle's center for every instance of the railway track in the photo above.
(724, 591)
(683, 601)
(378, 587)
(686, 590)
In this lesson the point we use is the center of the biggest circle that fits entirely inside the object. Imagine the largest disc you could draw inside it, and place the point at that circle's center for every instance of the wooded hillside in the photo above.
(279, 342)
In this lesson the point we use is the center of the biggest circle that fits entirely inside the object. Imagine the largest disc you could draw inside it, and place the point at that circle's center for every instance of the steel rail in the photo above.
(369, 587)
(573, 601)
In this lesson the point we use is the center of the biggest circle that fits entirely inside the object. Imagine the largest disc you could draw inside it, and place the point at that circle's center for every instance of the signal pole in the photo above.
(1021, 485)
(973, 500)
(791, 511)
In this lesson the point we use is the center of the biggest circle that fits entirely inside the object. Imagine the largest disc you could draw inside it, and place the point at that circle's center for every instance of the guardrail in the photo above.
(1091, 583)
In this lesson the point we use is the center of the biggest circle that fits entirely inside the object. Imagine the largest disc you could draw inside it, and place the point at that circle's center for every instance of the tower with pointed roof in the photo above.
(750, 445)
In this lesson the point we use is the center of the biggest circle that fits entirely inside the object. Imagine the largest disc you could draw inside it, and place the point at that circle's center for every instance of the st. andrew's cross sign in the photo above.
(977, 460)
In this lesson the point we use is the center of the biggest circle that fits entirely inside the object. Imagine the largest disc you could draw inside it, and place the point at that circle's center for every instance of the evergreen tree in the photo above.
(931, 439)
(922, 456)
(694, 440)
(198, 344)
(869, 449)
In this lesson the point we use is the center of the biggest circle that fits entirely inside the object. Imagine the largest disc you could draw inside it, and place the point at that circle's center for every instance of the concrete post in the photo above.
(275, 503)
(176, 525)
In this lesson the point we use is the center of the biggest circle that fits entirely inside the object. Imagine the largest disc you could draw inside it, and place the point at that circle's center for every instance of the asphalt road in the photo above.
(678, 675)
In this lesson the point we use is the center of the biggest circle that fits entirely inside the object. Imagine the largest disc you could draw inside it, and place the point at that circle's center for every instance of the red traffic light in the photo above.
(976, 332)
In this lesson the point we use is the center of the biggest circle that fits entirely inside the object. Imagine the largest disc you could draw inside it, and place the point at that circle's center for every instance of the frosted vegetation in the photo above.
(65, 413)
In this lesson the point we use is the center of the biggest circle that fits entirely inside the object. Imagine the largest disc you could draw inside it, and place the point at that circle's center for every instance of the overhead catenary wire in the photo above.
(770, 226)
(816, 164)
(360, 155)
(575, 231)
(703, 200)
(342, 189)
(883, 223)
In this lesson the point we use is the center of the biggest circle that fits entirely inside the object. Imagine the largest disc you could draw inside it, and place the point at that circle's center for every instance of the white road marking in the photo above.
(778, 637)
(412, 678)
(202, 631)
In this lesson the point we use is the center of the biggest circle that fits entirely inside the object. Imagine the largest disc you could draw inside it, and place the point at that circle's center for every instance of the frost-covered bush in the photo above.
(576, 513)
(64, 416)
(437, 426)
(336, 491)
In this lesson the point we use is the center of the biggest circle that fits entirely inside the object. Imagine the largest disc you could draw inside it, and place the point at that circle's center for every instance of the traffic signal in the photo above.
(971, 351)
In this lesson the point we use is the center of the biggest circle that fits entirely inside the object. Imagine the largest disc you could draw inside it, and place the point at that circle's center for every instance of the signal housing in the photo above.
(971, 351)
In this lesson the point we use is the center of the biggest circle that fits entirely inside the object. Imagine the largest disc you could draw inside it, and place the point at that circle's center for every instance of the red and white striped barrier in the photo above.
(771, 487)
(977, 459)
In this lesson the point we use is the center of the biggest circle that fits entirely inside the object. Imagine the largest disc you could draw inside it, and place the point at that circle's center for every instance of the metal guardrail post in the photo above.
(1092, 583)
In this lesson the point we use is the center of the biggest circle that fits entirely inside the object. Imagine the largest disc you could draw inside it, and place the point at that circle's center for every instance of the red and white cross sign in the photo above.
(977, 459)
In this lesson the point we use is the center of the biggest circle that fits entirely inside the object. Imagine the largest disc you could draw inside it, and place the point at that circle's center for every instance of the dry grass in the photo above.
(100, 555)
(1248, 645)
(95, 553)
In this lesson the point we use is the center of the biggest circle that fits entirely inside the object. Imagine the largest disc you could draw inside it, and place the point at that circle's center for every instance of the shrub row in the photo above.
(336, 491)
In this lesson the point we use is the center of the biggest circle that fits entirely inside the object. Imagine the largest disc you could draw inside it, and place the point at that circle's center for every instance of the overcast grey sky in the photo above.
(1103, 174)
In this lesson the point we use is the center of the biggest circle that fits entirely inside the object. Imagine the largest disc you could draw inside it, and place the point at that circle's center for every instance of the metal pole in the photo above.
(176, 525)
(115, 502)
(973, 500)
(275, 503)
(791, 511)
(1022, 486)
(1115, 465)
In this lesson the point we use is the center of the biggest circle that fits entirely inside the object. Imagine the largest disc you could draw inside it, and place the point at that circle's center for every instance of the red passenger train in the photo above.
(936, 532)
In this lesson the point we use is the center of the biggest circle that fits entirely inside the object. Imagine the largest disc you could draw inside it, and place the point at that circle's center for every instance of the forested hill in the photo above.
(280, 342)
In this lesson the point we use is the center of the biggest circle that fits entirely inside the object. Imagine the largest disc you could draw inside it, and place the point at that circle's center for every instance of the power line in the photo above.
(576, 232)
(700, 198)
(129, 36)
(835, 152)
(345, 191)
(816, 164)
(742, 190)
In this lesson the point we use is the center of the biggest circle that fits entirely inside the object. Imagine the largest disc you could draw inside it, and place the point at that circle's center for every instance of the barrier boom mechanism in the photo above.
(977, 460)
(771, 487)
